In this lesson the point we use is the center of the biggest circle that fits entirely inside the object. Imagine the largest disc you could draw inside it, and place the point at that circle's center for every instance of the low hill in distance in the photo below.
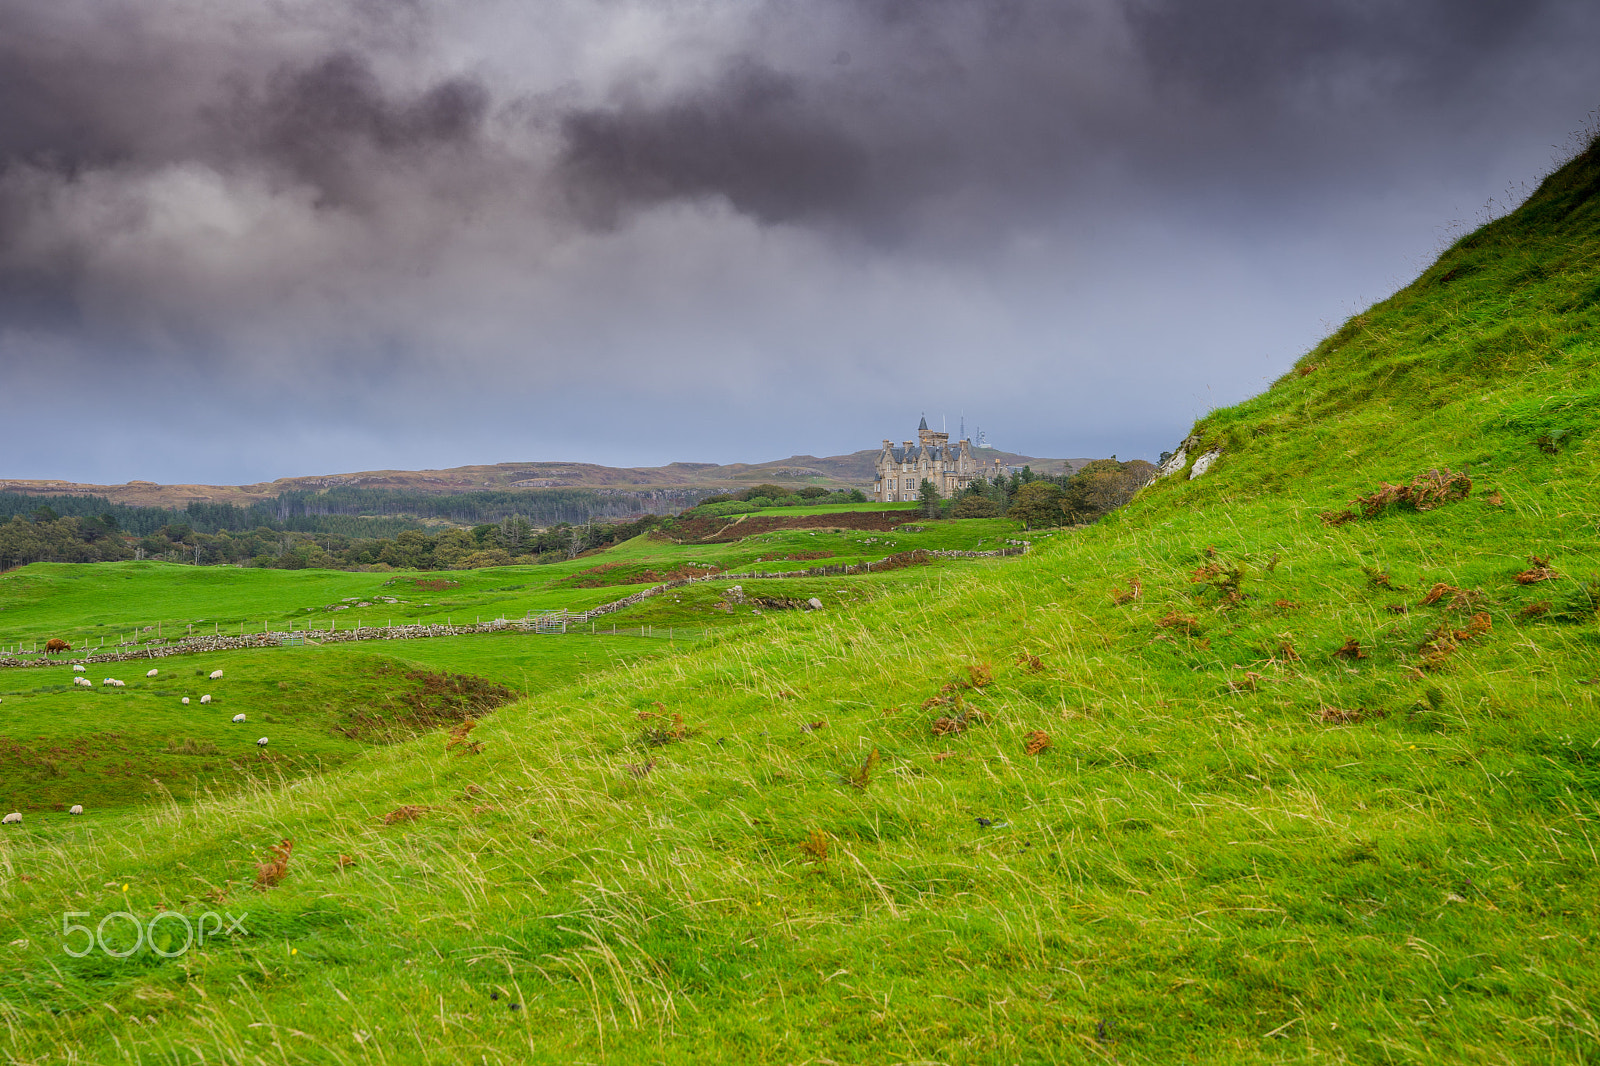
(838, 471)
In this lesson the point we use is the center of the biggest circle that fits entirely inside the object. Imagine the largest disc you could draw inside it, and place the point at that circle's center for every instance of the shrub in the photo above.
(975, 507)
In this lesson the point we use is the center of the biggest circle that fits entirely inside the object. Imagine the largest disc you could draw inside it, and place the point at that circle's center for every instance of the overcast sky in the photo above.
(258, 239)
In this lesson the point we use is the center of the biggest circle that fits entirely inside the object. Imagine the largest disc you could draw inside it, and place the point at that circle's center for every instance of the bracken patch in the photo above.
(273, 871)
(1424, 492)
(1539, 571)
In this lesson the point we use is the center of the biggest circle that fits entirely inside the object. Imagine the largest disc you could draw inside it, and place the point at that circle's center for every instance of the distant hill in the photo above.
(837, 471)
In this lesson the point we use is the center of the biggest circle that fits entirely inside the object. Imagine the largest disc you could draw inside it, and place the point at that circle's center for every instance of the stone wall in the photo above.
(549, 620)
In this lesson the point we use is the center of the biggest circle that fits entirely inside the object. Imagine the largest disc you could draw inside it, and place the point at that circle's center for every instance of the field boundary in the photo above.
(544, 622)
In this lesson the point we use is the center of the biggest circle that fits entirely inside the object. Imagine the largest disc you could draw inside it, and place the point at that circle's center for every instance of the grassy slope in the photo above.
(85, 603)
(108, 747)
(1216, 872)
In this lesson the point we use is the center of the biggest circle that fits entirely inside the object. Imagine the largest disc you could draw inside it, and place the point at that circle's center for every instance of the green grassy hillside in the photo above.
(1217, 780)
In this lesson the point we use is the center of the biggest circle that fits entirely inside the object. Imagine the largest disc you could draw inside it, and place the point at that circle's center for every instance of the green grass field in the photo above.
(113, 602)
(109, 747)
(1216, 780)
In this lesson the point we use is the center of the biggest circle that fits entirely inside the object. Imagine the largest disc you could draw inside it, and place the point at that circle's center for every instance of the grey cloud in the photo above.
(331, 123)
(1012, 108)
(356, 206)
(751, 137)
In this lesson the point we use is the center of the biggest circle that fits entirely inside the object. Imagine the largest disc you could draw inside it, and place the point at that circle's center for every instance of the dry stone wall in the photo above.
(549, 620)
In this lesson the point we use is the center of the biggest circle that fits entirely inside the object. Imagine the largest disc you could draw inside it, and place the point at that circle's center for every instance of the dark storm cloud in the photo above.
(331, 124)
(752, 137)
(98, 111)
(374, 205)
(1011, 107)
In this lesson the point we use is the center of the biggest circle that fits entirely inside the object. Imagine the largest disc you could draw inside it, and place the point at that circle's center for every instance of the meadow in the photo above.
(101, 605)
(1296, 761)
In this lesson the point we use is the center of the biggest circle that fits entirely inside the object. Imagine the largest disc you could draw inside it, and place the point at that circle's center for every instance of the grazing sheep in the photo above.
(77, 808)
(77, 668)
(186, 701)
(260, 743)
(206, 698)
(83, 682)
(111, 682)
(215, 674)
(238, 718)
(152, 672)
(117, 684)
(14, 818)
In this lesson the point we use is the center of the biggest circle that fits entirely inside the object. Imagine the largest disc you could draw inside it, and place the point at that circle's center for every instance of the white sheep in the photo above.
(152, 672)
(83, 682)
(118, 684)
(14, 818)
(206, 698)
(77, 668)
(261, 743)
(238, 718)
(77, 808)
(215, 674)
(186, 701)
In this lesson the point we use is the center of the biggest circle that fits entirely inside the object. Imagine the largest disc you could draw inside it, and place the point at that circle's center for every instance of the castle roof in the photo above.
(924, 424)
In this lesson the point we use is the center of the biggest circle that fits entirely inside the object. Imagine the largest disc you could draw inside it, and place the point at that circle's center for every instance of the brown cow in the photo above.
(55, 644)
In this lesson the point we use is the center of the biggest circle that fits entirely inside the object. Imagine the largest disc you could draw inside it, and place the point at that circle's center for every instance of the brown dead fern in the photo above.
(458, 738)
(1424, 493)
(272, 872)
(816, 846)
(1184, 623)
(1539, 571)
(404, 813)
(1038, 741)
(1351, 650)
(1121, 597)
(1459, 599)
(1340, 716)
(670, 733)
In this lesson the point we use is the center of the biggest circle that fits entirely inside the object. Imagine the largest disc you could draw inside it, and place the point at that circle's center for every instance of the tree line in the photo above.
(352, 511)
(44, 536)
(1095, 490)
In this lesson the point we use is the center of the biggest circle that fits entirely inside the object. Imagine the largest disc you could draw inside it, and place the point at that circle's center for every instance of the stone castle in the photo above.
(902, 470)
